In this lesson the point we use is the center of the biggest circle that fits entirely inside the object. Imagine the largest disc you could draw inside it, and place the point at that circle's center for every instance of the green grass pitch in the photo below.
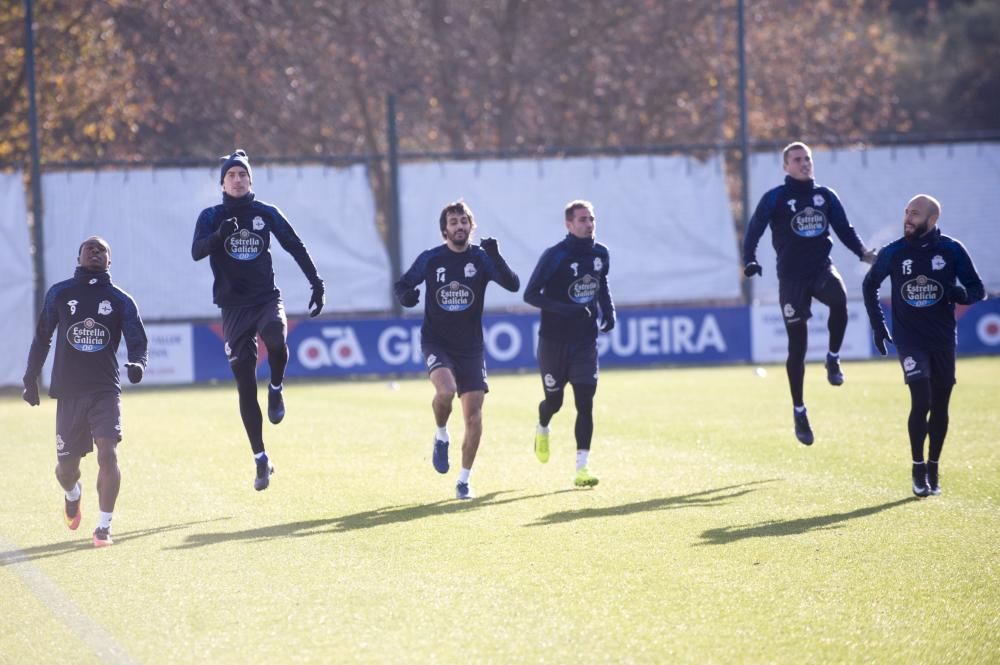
(714, 536)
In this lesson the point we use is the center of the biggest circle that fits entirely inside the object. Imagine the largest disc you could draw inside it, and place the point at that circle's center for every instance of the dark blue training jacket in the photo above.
(241, 262)
(800, 214)
(567, 281)
(454, 287)
(91, 315)
(920, 272)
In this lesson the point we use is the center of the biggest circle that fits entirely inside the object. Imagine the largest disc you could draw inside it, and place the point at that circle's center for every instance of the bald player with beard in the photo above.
(930, 273)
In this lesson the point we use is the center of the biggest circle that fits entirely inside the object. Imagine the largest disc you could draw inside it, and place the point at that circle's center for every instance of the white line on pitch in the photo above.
(91, 633)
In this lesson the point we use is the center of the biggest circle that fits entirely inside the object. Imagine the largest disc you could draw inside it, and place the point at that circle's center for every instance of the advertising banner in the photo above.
(392, 345)
(171, 360)
(770, 342)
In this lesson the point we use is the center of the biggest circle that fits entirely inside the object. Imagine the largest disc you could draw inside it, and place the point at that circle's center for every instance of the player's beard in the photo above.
(459, 242)
(916, 231)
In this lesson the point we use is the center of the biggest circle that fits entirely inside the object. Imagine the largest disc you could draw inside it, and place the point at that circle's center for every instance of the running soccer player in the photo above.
(236, 238)
(570, 286)
(930, 273)
(91, 315)
(455, 275)
(800, 214)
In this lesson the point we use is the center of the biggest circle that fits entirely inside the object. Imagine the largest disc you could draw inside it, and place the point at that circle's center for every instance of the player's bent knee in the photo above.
(554, 400)
(273, 336)
(107, 453)
(245, 372)
(444, 394)
(584, 401)
(474, 418)
(67, 473)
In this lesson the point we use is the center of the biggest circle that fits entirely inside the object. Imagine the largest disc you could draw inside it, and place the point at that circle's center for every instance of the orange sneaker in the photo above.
(72, 512)
(102, 537)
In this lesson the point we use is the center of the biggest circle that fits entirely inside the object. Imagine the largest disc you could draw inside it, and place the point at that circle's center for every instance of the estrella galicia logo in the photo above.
(921, 292)
(88, 336)
(455, 297)
(583, 290)
(244, 245)
(809, 223)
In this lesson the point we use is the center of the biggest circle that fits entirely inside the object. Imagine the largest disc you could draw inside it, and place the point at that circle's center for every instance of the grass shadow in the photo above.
(368, 519)
(80, 544)
(712, 497)
(777, 528)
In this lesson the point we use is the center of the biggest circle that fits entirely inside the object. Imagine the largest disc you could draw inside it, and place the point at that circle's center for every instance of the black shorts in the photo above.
(917, 364)
(240, 326)
(82, 418)
(561, 362)
(795, 295)
(469, 369)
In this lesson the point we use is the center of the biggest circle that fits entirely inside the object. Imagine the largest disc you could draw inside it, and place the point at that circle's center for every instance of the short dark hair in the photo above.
(98, 238)
(455, 208)
(573, 206)
(795, 145)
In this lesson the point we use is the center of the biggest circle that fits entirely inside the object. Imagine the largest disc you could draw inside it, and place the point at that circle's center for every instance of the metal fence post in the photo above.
(38, 249)
(395, 232)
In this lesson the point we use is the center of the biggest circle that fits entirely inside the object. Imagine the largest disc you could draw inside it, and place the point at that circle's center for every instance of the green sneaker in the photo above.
(585, 479)
(541, 446)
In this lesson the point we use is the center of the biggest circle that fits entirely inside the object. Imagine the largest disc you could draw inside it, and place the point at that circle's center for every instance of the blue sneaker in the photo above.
(264, 471)
(920, 487)
(803, 432)
(834, 375)
(275, 405)
(462, 491)
(933, 486)
(440, 456)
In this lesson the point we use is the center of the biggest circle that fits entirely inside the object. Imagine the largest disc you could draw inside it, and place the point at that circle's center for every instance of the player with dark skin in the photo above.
(83, 381)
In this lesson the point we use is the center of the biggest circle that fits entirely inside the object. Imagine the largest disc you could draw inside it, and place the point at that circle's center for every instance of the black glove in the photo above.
(318, 299)
(227, 228)
(958, 295)
(880, 336)
(409, 298)
(134, 372)
(753, 268)
(491, 247)
(30, 393)
(608, 324)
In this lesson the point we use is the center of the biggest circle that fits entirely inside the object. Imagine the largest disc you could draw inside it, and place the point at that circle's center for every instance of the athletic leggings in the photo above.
(245, 371)
(831, 294)
(928, 396)
(583, 397)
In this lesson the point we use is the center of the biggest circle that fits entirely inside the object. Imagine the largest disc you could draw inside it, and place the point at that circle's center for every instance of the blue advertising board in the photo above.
(392, 345)
(642, 337)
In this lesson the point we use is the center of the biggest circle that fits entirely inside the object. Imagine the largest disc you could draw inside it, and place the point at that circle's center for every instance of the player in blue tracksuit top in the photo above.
(89, 315)
(570, 286)
(455, 275)
(236, 238)
(800, 214)
(929, 274)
